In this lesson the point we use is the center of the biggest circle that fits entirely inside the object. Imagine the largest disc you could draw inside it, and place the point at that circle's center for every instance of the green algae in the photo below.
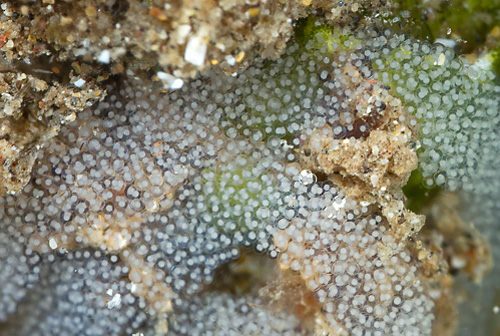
(236, 193)
(311, 35)
(495, 60)
(417, 193)
(310, 30)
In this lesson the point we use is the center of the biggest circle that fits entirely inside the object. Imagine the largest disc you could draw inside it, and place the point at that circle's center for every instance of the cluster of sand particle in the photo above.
(180, 36)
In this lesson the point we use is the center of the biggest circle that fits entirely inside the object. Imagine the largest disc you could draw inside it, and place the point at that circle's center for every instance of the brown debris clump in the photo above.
(181, 36)
(31, 113)
(374, 164)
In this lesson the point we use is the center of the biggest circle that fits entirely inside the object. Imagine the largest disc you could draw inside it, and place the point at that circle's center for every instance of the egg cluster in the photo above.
(336, 247)
(171, 185)
(223, 314)
(18, 273)
(80, 293)
(153, 174)
(455, 102)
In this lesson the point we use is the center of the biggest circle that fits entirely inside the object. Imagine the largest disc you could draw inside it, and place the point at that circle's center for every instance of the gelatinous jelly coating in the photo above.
(223, 314)
(455, 102)
(337, 251)
(19, 272)
(79, 293)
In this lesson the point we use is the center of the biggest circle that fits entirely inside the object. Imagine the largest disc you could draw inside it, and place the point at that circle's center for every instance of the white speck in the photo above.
(109, 292)
(104, 57)
(196, 50)
(230, 60)
(115, 301)
(441, 59)
(458, 262)
(79, 83)
(79, 52)
(52, 243)
(284, 144)
(169, 81)
(496, 309)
